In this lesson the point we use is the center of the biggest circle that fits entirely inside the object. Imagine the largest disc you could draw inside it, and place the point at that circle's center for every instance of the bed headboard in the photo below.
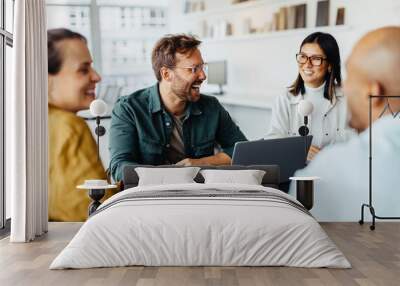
(271, 178)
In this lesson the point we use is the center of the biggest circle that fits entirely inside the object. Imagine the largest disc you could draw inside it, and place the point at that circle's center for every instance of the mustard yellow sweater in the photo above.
(72, 160)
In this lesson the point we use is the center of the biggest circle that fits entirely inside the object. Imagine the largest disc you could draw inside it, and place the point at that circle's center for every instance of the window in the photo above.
(128, 34)
(76, 18)
(121, 35)
(6, 42)
(9, 19)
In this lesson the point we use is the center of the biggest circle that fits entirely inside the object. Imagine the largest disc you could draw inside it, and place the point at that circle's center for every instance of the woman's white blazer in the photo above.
(286, 120)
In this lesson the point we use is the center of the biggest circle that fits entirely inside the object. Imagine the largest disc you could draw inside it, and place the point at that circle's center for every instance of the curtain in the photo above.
(26, 119)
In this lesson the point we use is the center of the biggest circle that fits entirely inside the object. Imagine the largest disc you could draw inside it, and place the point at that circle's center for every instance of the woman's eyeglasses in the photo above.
(314, 60)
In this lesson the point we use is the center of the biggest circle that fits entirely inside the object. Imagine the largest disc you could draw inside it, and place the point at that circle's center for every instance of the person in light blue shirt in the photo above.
(373, 69)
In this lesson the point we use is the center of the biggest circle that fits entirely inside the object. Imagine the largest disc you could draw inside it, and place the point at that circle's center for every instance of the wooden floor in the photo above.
(374, 255)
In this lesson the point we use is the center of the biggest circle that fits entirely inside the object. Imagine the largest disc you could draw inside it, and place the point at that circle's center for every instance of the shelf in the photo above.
(251, 4)
(278, 34)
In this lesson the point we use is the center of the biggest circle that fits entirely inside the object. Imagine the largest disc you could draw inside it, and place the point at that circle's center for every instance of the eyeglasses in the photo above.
(196, 69)
(314, 60)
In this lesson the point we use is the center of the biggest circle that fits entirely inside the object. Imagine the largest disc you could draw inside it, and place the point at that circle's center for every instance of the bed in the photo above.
(201, 224)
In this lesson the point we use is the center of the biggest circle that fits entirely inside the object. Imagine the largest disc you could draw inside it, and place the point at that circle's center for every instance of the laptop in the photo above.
(289, 153)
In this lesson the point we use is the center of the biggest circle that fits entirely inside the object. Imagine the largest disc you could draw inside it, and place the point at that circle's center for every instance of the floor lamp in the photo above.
(97, 108)
(370, 204)
(305, 185)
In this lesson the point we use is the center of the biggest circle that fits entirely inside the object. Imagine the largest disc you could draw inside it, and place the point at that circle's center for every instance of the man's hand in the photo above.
(189, 162)
(312, 152)
(217, 159)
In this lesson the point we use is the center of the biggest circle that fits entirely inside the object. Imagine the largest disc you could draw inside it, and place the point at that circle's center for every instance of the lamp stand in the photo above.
(305, 193)
(96, 195)
(100, 131)
(303, 131)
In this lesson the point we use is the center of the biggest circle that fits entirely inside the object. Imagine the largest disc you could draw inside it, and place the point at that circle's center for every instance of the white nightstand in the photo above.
(305, 190)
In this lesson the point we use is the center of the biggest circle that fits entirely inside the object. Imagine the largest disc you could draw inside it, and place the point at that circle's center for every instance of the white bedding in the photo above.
(190, 230)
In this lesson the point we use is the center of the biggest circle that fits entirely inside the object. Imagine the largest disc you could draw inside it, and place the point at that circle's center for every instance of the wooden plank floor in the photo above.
(374, 255)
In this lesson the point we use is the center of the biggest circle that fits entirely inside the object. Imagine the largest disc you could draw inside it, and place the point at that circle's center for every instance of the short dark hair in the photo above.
(164, 52)
(328, 44)
(55, 36)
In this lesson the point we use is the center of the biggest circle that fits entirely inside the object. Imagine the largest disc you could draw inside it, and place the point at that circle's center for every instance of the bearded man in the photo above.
(172, 122)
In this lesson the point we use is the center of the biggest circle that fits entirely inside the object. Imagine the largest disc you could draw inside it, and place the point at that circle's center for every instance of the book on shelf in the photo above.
(218, 30)
(239, 1)
(275, 21)
(202, 6)
(224, 29)
(229, 29)
(191, 6)
(322, 13)
(246, 26)
(291, 17)
(187, 6)
(340, 14)
(282, 23)
(301, 16)
(204, 29)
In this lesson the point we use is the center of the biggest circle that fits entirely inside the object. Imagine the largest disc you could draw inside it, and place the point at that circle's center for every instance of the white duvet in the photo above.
(206, 230)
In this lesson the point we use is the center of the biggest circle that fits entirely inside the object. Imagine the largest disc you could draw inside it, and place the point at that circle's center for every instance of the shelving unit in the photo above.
(277, 34)
(254, 17)
(232, 8)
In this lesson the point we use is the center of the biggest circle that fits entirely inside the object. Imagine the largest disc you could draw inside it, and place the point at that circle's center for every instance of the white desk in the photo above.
(252, 101)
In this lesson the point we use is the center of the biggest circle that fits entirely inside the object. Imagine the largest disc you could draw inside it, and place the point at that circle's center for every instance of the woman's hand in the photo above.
(314, 150)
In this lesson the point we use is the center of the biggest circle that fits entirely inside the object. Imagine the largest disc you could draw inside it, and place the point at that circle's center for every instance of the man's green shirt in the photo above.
(141, 128)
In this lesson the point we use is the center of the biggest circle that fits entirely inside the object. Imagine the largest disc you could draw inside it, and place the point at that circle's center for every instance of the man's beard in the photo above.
(183, 90)
(182, 94)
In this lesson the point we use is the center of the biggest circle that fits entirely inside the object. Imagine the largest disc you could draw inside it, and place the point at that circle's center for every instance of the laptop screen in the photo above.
(289, 153)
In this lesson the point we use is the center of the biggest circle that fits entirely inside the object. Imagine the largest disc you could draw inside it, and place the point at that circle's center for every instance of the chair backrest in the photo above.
(130, 178)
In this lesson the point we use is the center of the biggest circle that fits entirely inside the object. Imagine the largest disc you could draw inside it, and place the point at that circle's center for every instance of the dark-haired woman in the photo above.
(319, 82)
(72, 149)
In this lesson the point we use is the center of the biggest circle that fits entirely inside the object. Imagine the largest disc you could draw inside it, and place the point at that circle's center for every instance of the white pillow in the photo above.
(164, 176)
(248, 177)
